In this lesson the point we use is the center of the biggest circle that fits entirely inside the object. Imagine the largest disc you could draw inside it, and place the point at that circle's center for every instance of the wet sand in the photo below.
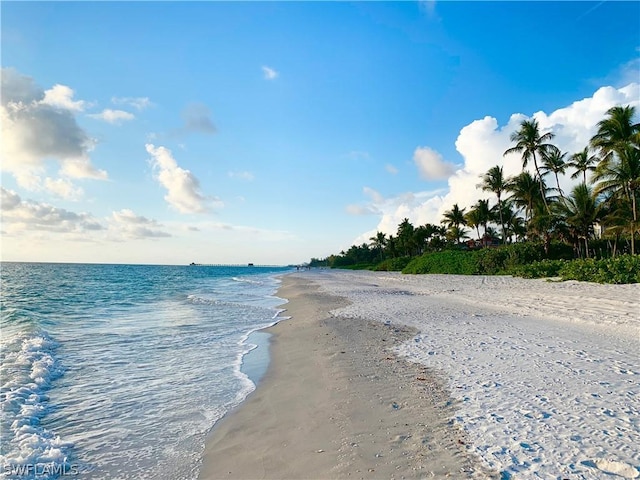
(336, 403)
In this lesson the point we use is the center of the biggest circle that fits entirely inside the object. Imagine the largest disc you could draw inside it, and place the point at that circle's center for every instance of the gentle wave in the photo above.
(121, 371)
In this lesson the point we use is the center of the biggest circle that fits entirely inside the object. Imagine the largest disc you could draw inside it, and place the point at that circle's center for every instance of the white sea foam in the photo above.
(152, 359)
(546, 375)
(29, 366)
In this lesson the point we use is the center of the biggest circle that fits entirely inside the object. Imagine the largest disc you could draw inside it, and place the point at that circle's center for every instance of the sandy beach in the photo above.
(383, 375)
(337, 403)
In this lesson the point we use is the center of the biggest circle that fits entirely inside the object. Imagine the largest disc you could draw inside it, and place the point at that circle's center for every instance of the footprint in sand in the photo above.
(617, 468)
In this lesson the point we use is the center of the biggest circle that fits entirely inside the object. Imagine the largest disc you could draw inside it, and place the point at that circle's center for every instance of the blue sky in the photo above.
(271, 132)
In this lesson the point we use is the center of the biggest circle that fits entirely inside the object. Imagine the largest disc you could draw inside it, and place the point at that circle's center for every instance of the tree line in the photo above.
(531, 206)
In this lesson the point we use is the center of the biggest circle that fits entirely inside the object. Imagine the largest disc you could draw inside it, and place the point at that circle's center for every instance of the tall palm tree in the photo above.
(482, 206)
(530, 143)
(494, 181)
(553, 161)
(474, 219)
(583, 162)
(378, 242)
(616, 131)
(454, 217)
(580, 210)
(525, 192)
(405, 237)
(621, 178)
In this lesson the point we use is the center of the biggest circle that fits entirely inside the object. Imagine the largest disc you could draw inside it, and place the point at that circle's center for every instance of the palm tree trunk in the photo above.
(633, 223)
(558, 183)
(504, 235)
(544, 197)
(586, 246)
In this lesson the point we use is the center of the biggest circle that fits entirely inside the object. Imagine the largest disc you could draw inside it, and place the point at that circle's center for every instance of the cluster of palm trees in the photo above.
(528, 208)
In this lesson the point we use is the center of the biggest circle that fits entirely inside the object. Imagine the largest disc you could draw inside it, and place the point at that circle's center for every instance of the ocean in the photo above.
(121, 371)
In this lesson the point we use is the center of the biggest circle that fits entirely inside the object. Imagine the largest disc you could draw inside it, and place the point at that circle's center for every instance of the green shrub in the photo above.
(392, 264)
(448, 261)
(622, 269)
(541, 269)
(506, 258)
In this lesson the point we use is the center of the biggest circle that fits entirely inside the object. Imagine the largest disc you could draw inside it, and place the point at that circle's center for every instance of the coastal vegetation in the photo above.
(531, 227)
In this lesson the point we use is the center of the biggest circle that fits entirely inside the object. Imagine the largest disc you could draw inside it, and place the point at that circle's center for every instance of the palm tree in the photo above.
(378, 242)
(541, 225)
(474, 220)
(494, 181)
(620, 177)
(456, 233)
(405, 237)
(529, 142)
(482, 206)
(583, 162)
(580, 210)
(454, 217)
(616, 131)
(553, 161)
(526, 192)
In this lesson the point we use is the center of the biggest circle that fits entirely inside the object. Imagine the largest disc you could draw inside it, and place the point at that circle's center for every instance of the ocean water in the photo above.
(120, 371)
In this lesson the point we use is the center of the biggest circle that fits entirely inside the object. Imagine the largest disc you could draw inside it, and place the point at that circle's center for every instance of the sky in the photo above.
(273, 132)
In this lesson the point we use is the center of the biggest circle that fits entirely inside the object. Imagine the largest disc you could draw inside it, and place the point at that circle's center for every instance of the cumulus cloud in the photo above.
(61, 96)
(431, 165)
(139, 103)
(269, 73)
(39, 127)
(135, 226)
(183, 188)
(113, 116)
(21, 215)
(482, 144)
(63, 188)
(243, 175)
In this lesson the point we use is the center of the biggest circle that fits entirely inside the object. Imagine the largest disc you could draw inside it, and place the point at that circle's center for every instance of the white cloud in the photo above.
(63, 188)
(482, 144)
(391, 169)
(139, 103)
(269, 73)
(361, 210)
(127, 223)
(39, 127)
(183, 188)
(113, 116)
(375, 196)
(22, 215)
(61, 96)
(431, 165)
(244, 175)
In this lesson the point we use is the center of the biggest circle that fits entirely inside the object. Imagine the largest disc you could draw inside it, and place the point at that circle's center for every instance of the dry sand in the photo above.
(336, 403)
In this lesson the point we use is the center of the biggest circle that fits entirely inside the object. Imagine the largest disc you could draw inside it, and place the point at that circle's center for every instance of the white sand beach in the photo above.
(515, 379)
(546, 374)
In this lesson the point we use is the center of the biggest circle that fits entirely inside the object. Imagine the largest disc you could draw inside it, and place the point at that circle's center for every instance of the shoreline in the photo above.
(335, 402)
